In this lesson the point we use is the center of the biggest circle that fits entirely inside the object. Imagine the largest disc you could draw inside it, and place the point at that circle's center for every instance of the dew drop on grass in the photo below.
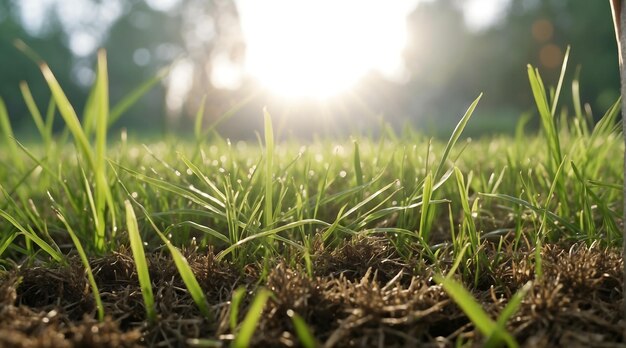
(177, 173)
(343, 173)
(311, 173)
(134, 194)
(189, 171)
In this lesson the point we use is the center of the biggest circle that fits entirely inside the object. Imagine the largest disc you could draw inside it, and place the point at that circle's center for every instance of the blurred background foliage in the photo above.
(448, 61)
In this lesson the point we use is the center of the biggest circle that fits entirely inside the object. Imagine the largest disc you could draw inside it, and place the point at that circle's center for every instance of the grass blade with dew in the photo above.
(183, 267)
(302, 330)
(95, 160)
(141, 265)
(552, 217)
(85, 262)
(102, 191)
(456, 134)
(475, 312)
(268, 213)
(55, 254)
(249, 323)
(187, 275)
(272, 232)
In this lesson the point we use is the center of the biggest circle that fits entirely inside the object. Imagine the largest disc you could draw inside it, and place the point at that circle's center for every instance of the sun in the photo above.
(321, 48)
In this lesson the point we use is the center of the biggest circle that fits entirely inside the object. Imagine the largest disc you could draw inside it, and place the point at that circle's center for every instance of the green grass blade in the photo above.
(467, 303)
(205, 229)
(196, 292)
(267, 233)
(248, 326)
(268, 213)
(188, 277)
(36, 115)
(133, 96)
(69, 115)
(547, 119)
(141, 265)
(425, 220)
(52, 106)
(7, 132)
(456, 134)
(559, 85)
(358, 171)
(55, 254)
(197, 128)
(474, 311)
(302, 330)
(553, 218)
(101, 98)
(508, 311)
(85, 262)
(513, 305)
(238, 296)
(6, 242)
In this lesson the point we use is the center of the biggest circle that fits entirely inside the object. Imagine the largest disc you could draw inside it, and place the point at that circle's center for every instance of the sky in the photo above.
(328, 46)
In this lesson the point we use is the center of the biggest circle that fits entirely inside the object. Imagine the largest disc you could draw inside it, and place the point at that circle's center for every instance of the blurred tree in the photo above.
(140, 37)
(450, 64)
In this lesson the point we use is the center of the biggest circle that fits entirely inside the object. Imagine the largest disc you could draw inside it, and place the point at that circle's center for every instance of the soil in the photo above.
(361, 294)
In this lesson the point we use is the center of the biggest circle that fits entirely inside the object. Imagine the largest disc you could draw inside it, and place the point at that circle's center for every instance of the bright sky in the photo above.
(310, 48)
(318, 48)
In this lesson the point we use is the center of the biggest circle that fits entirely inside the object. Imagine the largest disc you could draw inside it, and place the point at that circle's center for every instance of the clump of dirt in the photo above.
(29, 324)
(358, 256)
(576, 302)
(360, 294)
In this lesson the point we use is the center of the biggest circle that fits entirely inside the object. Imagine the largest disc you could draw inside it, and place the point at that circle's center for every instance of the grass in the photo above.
(282, 201)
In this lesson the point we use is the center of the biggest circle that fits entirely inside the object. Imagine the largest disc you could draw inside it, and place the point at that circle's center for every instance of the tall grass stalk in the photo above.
(85, 261)
(249, 323)
(268, 213)
(141, 265)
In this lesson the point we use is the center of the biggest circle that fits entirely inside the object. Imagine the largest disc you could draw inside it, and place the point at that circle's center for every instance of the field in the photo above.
(398, 240)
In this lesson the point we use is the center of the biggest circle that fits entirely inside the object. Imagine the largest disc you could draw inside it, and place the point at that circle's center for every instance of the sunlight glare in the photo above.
(319, 48)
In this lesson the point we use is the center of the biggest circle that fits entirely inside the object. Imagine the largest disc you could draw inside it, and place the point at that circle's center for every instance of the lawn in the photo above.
(398, 240)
